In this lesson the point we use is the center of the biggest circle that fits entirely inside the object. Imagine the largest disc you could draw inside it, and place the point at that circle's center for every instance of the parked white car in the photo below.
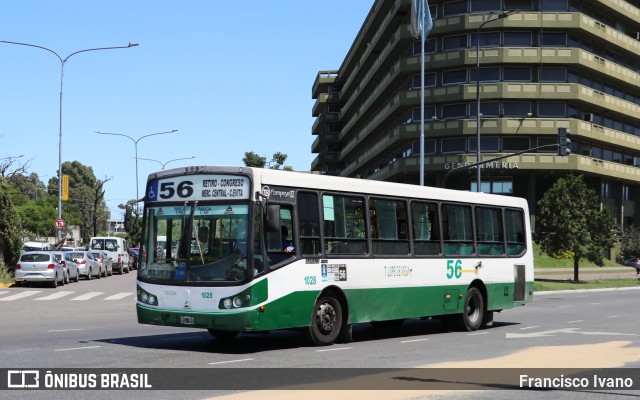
(88, 266)
(39, 266)
(71, 268)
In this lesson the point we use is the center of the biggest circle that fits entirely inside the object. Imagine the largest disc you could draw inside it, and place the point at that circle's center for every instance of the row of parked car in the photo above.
(66, 265)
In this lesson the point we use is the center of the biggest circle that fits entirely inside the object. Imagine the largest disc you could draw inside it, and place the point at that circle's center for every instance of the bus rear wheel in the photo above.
(222, 335)
(473, 313)
(326, 321)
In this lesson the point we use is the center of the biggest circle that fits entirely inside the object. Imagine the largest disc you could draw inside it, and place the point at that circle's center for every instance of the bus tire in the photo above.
(326, 321)
(473, 313)
(222, 335)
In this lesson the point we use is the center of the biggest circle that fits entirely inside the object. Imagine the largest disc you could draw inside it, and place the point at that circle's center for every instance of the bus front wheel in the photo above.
(326, 321)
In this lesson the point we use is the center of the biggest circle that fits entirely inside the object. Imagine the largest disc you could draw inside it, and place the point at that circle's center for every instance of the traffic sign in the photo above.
(60, 224)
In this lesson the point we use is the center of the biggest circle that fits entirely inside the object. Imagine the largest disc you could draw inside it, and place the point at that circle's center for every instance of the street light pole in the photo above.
(499, 16)
(135, 142)
(62, 64)
(164, 164)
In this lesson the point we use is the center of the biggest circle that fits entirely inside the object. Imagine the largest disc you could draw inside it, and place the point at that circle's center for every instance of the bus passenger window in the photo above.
(426, 228)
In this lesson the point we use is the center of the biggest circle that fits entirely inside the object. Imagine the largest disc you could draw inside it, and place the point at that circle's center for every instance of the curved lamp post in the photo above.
(62, 63)
(135, 142)
(164, 164)
(499, 16)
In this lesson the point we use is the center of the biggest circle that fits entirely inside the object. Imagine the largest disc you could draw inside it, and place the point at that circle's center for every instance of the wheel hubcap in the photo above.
(326, 317)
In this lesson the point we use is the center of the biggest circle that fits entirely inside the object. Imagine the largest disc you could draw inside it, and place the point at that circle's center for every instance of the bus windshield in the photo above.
(195, 243)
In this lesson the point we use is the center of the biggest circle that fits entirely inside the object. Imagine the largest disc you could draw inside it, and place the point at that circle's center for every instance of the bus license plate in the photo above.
(186, 320)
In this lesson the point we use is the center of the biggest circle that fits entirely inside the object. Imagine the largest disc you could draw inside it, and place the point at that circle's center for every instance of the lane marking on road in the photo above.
(65, 330)
(4, 291)
(20, 295)
(79, 348)
(414, 340)
(56, 295)
(87, 296)
(119, 296)
(530, 327)
(614, 316)
(576, 321)
(338, 349)
(567, 306)
(231, 361)
(477, 333)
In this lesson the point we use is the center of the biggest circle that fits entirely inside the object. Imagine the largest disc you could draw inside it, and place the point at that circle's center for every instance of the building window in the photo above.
(429, 80)
(487, 39)
(516, 74)
(454, 110)
(454, 76)
(485, 5)
(552, 110)
(518, 109)
(515, 143)
(497, 184)
(487, 74)
(429, 113)
(454, 42)
(553, 5)
(551, 74)
(334, 128)
(487, 144)
(515, 39)
(454, 8)
(550, 141)
(553, 39)
(487, 109)
(518, 5)
(333, 108)
(429, 46)
(454, 145)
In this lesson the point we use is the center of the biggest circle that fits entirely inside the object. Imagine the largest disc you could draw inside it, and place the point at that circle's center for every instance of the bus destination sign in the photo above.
(199, 187)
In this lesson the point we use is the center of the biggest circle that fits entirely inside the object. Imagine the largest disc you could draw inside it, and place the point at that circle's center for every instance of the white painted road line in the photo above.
(338, 349)
(231, 361)
(20, 295)
(414, 340)
(65, 330)
(87, 296)
(79, 348)
(56, 295)
(119, 296)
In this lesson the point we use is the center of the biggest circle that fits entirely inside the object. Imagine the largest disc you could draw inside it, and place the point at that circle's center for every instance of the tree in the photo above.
(251, 159)
(571, 221)
(630, 242)
(10, 234)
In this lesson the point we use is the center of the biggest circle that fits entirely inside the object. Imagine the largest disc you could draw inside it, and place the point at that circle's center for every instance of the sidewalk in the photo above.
(586, 273)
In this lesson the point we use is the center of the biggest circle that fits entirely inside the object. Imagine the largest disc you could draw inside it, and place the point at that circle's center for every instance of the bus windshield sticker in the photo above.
(199, 187)
(279, 193)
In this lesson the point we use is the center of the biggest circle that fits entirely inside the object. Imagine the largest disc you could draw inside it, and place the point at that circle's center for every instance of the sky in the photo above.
(230, 77)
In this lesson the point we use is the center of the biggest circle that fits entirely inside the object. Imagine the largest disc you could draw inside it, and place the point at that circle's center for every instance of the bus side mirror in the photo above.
(273, 218)
(127, 217)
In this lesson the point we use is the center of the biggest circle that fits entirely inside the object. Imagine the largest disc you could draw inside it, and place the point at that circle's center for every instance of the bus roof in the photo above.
(307, 180)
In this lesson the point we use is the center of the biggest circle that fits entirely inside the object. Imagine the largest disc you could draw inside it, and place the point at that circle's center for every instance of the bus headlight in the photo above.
(237, 302)
(227, 303)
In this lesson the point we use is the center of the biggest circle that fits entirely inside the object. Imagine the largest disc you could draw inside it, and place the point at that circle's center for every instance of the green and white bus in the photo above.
(254, 250)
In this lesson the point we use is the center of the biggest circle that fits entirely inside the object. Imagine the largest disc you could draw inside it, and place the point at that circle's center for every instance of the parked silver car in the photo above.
(70, 266)
(39, 266)
(88, 266)
(105, 262)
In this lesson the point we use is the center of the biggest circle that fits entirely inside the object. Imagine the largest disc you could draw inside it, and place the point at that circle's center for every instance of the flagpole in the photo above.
(422, 41)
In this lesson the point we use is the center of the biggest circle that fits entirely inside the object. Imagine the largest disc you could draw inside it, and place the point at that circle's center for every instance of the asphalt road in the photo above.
(92, 324)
